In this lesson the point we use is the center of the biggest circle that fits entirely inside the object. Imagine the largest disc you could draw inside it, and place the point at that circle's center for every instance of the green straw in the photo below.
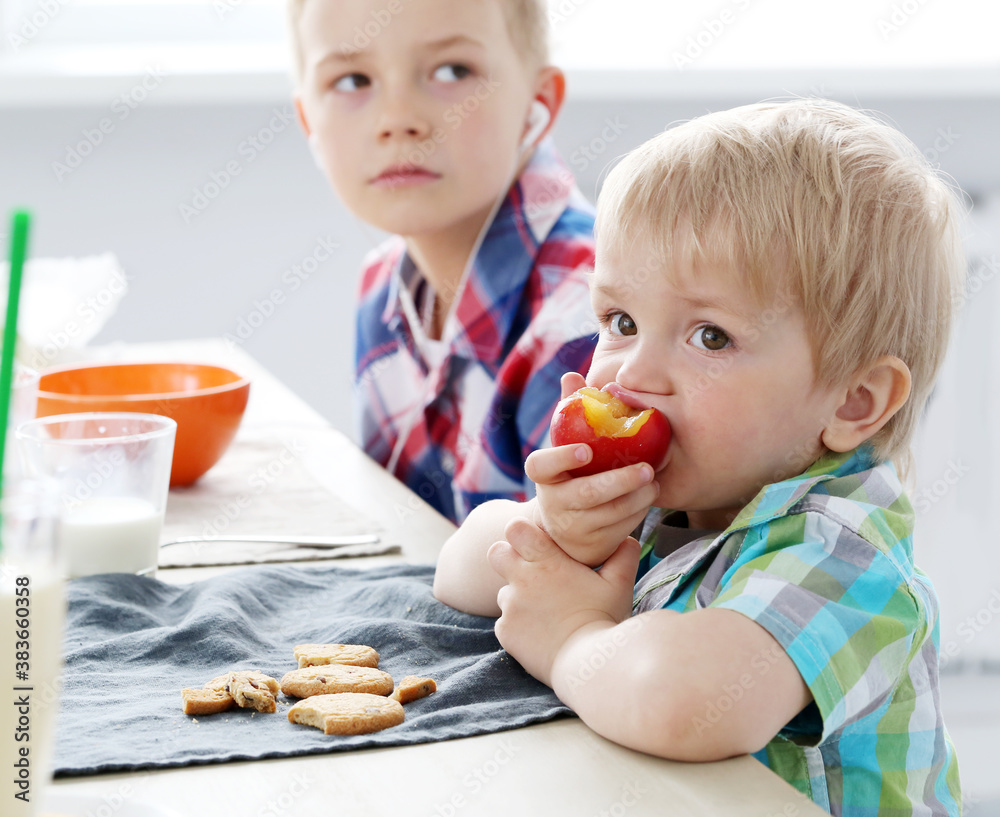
(20, 225)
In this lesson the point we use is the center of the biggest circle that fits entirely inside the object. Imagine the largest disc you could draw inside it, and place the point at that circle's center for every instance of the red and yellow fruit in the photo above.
(618, 434)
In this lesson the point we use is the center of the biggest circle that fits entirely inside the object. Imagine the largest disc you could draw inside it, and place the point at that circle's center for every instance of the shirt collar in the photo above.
(494, 287)
(778, 498)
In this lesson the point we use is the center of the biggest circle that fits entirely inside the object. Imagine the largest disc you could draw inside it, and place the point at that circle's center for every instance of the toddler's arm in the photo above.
(697, 686)
(463, 578)
(702, 685)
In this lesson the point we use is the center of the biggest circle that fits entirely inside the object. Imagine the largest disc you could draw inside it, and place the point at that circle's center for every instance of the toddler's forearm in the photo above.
(649, 683)
(463, 578)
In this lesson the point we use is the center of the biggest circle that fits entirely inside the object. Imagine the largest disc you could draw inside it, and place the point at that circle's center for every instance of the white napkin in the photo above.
(261, 487)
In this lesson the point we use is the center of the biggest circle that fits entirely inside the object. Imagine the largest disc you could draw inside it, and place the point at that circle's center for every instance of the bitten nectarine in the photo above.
(618, 434)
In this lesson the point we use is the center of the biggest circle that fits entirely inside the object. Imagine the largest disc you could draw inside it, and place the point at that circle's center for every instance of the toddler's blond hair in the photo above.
(818, 200)
(527, 24)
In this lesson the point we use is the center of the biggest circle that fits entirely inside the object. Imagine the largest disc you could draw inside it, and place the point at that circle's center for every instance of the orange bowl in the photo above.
(207, 402)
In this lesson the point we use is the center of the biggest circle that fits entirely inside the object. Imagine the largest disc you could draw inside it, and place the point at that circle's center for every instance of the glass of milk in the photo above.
(32, 609)
(113, 472)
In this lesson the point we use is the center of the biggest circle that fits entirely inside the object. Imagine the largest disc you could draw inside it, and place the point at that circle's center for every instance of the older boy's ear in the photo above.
(300, 113)
(550, 89)
(873, 397)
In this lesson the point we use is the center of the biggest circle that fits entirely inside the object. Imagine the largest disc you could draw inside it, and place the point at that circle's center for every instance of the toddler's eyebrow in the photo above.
(745, 309)
(741, 309)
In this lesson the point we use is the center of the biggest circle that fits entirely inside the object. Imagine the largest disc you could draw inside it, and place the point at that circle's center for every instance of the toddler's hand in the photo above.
(588, 517)
(549, 597)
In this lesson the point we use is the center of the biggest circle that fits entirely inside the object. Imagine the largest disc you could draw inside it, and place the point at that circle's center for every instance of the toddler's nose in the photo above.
(645, 371)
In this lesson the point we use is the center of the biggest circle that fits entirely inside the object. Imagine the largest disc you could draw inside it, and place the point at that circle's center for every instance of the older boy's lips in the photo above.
(404, 176)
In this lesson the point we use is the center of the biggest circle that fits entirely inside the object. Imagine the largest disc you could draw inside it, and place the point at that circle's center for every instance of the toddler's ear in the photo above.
(874, 396)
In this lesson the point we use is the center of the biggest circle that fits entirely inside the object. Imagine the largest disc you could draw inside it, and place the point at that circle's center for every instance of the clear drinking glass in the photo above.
(113, 473)
(23, 404)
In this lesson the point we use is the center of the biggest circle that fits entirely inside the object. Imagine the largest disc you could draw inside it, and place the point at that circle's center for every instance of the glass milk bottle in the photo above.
(32, 609)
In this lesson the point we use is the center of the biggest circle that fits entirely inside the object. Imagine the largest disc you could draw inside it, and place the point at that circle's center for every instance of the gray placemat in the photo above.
(133, 643)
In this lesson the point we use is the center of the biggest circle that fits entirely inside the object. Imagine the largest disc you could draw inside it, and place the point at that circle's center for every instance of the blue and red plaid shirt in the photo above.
(456, 418)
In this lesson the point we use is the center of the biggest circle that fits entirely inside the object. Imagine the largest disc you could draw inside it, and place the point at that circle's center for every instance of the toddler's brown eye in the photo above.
(711, 338)
(622, 324)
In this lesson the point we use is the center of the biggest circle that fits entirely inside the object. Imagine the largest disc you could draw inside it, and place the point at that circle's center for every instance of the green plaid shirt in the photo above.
(824, 562)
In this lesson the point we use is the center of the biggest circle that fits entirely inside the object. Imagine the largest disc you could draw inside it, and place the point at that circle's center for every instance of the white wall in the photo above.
(202, 275)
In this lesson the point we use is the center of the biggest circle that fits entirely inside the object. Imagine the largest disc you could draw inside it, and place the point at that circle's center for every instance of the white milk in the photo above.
(28, 707)
(110, 535)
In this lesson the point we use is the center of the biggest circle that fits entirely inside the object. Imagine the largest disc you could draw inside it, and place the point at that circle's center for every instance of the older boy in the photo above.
(425, 115)
(777, 280)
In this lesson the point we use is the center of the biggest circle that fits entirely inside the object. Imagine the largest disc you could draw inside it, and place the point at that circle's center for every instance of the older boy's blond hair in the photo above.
(527, 24)
(817, 200)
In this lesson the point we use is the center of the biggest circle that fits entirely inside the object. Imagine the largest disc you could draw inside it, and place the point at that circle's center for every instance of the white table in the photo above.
(554, 768)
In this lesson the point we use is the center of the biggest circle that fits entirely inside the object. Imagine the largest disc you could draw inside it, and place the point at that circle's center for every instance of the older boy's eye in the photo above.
(452, 72)
(711, 338)
(352, 82)
(621, 323)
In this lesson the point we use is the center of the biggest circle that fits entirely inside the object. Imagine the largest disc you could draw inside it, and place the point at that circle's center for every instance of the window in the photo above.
(587, 34)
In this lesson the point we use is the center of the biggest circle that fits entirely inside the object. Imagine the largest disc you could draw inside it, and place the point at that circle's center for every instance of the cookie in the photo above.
(250, 674)
(251, 694)
(206, 701)
(249, 689)
(330, 678)
(413, 687)
(347, 713)
(314, 655)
